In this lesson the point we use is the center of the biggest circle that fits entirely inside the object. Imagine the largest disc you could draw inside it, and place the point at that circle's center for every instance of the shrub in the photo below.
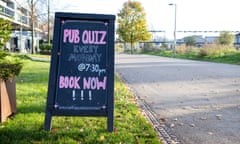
(148, 47)
(215, 50)
(183, 49)
(3, 54)
(45, 48)
(9, 66)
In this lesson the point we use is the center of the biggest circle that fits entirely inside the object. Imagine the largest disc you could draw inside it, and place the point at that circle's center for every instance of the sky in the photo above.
(191, 15)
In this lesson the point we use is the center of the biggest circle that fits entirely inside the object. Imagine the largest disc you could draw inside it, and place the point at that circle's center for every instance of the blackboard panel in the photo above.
(82, 72)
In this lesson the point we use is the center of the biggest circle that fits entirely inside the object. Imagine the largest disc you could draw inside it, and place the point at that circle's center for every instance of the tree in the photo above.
(132, 25)
(225, 38)
(35, 7)
(5, 31)
(190, 41)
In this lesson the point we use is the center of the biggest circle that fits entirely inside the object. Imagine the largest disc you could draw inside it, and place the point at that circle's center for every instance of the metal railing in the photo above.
(6, 11)
(10, 13)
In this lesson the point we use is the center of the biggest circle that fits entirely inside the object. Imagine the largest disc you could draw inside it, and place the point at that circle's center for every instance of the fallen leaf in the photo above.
(115, 130)
(102, 138)
(163, 119)
(54, 129)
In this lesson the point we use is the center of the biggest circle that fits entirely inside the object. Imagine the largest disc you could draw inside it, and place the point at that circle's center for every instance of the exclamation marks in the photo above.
(90, 95)
(73, 95)
(76, 95)
(82, 98)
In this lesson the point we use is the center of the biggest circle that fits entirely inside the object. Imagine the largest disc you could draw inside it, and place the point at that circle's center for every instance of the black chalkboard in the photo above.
(82, 67)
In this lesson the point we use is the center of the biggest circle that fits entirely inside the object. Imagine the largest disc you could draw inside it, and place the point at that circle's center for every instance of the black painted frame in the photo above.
(109, 111)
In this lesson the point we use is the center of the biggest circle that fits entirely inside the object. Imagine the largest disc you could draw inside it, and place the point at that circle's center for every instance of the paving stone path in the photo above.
(193, 102)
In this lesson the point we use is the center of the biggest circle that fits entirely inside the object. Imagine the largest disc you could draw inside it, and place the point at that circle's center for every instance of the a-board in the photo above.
(81, 79)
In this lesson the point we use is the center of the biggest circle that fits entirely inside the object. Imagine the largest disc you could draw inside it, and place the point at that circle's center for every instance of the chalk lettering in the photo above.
(81, 67)
(85, 49)
(69, 82)
(103, 35)
(92, 83)
(94, 68)
(71, 36)
(94, 37)
(88, 58)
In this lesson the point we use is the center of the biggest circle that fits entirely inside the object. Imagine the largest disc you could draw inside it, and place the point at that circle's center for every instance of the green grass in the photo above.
(26, 126)
(230, 58)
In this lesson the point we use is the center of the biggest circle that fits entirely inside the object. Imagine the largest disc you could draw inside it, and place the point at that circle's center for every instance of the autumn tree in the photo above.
(132, 25)
(226, 38)
(5, 31)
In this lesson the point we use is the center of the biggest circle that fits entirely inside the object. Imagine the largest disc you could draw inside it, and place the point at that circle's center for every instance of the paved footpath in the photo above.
(199, 102)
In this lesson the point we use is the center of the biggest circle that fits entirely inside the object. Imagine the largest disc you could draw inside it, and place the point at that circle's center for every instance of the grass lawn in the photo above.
(231, 58)
(27, 125)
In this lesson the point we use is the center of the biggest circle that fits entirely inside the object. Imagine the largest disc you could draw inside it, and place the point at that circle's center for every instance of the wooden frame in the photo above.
(7, 98)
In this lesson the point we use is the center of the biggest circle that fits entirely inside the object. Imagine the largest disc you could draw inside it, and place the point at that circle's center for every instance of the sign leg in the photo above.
(48, 119)
(110, 121)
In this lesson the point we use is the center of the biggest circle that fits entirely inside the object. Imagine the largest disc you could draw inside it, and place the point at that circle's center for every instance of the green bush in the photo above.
(3, 54)
(45, 47)
(10, 66)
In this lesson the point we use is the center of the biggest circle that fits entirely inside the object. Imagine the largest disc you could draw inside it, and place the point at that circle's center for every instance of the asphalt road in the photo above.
(198, 101)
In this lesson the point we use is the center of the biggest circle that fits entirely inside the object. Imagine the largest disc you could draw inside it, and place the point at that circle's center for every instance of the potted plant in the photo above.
(10, 67)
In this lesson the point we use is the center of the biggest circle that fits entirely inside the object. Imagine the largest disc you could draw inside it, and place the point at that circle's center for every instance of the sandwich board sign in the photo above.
(81, 79)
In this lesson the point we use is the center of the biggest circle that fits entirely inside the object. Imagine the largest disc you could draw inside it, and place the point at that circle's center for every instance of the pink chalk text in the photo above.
(89, 83)
(93, 83)
(87, 37)
(69, 82)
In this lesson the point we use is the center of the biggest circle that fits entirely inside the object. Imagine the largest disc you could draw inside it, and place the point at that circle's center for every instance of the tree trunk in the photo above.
(32, 26)
(33, 49)
(131, 48)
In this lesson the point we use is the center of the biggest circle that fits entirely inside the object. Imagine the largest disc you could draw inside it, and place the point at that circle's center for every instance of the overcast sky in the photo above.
(192, 15)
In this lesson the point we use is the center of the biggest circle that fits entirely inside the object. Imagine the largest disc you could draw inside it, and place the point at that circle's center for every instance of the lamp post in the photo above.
(49, 22)
(175, 22)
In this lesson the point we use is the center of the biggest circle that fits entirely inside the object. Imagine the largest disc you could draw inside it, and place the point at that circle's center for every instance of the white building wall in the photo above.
(21, 39)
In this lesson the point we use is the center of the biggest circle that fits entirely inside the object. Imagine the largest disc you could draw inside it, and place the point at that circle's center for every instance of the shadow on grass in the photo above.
(31, 109)
(64, 130)
(36, 134)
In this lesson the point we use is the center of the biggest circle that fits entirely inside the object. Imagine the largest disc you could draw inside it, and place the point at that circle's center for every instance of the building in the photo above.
(237, 40)
(18, 12)
(211, 39)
